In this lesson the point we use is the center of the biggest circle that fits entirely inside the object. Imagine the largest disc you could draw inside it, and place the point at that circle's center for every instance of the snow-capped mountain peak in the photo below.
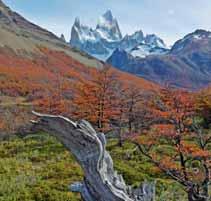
(108, 27)
(130, 41)
(77, 22)
(192, 41)
(138, 35)
(82, 33)
(143, 50)
(106, 37)
(107, 17)
(155, 41)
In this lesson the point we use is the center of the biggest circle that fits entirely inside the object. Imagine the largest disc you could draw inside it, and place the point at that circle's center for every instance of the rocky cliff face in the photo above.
(63, 38)
(108, 27)
(130, 41)
(88, 40)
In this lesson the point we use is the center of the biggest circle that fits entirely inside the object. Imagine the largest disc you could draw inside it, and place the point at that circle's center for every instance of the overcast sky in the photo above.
(170, 19)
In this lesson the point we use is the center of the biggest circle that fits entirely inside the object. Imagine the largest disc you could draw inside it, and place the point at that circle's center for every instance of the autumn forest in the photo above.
(156, 134)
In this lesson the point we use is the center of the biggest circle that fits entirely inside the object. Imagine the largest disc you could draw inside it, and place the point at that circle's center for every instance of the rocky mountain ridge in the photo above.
(106, 37)
(187, 65)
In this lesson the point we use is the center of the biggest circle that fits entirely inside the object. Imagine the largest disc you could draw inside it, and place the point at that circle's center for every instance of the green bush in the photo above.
(38, 168)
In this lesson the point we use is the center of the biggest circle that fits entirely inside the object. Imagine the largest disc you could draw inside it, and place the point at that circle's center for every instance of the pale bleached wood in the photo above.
(101, 182)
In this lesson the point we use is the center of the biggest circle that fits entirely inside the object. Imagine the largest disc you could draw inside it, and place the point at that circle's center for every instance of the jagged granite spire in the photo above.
(108, 15)
(63, 38)
(106, 37)
(108, 27)
(77, 22)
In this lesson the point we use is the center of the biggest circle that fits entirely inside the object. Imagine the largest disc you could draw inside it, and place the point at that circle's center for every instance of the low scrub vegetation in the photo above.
(38, 168)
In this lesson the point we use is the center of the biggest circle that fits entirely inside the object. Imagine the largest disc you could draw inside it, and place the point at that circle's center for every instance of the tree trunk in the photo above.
(101, 182)
(194, 196)
(120, 140)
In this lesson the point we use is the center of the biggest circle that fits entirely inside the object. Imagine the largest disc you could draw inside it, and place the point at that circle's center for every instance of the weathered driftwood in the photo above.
(101, 182)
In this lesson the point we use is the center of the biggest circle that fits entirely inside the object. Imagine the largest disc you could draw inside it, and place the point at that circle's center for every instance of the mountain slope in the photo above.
(33, 61)
(187, 65)
(19, 34)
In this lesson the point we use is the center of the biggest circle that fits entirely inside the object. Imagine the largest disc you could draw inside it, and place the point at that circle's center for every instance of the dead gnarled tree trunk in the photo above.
(101, 182)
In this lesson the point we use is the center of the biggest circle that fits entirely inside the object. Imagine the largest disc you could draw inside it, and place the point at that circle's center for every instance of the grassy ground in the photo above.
(38, 168)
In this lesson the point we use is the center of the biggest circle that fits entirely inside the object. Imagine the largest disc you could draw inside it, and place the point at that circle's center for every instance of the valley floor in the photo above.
(38, 168)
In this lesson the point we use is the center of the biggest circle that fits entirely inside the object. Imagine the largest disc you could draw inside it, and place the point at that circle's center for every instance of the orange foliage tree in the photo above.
(55, 98)
(136, 111)
(96, 99)
(133, 112)
(177, 145)
(14, 120)
(204, 106)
